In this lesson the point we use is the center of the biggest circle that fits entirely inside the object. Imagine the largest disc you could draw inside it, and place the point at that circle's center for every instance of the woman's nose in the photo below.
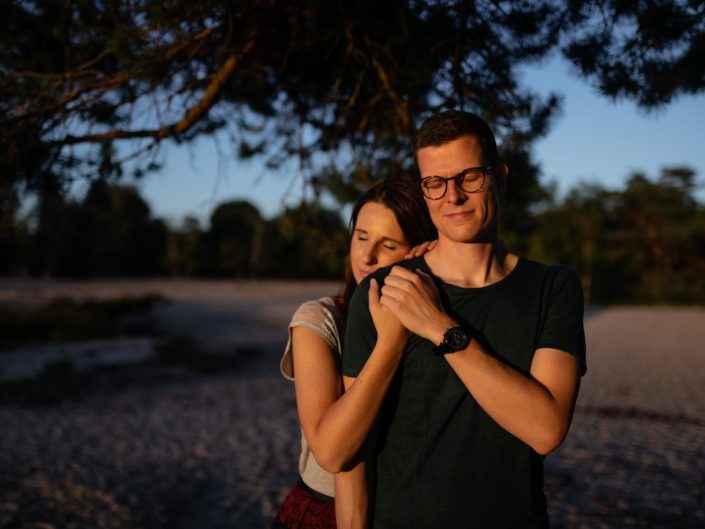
(370, 255)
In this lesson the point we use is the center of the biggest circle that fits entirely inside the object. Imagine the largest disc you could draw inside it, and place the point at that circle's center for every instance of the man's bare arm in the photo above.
(537, 408)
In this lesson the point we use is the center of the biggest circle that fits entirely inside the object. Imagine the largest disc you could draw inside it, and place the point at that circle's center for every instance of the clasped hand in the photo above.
(413, 298)
(390, 331)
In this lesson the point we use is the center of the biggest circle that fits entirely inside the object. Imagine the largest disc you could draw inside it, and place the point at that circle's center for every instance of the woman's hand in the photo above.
(390, 331)
(421, 249)
(414, 299)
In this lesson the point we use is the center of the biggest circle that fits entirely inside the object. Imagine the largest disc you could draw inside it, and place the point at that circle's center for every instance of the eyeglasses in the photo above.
(469, 180)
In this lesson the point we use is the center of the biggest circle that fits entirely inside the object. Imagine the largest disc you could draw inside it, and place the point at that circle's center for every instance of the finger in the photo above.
(432, 288)
(417, 250)
(391, 303)
(401, 272)
(424, 248)
(391, 291)
(373, 293)
(402, 285)
(426, 278)
(420, 249)
(413, 252)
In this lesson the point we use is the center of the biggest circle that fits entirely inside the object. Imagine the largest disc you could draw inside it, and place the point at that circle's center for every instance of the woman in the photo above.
(386, 223)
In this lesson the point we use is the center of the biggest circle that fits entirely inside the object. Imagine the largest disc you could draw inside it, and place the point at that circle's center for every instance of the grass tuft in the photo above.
(62, 319)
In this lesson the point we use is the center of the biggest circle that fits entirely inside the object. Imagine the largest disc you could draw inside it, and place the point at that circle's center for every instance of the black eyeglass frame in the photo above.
(458, 178)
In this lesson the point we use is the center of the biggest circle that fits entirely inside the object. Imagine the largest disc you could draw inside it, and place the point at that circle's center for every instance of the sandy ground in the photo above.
(154, 446)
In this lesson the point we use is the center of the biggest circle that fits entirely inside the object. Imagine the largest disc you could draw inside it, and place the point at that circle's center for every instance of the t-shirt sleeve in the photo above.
(563, 323)
(360, 333)
(316, 316)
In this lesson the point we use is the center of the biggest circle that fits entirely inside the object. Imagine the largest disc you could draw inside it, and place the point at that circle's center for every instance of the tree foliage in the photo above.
(110, 233)
(337, 85)
(306, 242)
(234, 239)
(648, 51)
(643, 244)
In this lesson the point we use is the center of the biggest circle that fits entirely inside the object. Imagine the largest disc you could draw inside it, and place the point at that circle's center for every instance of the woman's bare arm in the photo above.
(336, 425)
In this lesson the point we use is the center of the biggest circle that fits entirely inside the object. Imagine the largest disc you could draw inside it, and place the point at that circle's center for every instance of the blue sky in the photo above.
(594, 140)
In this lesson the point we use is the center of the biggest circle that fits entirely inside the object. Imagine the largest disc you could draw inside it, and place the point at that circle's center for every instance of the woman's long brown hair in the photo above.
(404, 199)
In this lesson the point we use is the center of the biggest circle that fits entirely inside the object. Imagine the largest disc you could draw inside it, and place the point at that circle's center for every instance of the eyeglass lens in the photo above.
(469, 180)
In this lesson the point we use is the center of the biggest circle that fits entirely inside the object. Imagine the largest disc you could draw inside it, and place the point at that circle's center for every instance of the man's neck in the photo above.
(470, 265)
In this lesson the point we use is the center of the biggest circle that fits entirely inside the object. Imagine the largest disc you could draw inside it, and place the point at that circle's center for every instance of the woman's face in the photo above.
(377, 240)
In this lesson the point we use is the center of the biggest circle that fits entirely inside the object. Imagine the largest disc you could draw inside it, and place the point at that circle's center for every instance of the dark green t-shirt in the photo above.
(442, 462)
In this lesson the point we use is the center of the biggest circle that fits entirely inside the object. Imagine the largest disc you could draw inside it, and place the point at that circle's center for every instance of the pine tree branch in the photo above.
(191, 116)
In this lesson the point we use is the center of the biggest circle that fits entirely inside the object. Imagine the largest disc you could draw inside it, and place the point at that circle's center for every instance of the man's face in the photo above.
(461, 216)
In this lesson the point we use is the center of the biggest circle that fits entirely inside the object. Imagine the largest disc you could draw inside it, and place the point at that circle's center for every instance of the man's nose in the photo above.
(454, 193)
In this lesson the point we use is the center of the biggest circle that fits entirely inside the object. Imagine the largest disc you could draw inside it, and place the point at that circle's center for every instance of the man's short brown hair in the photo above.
(453, 124)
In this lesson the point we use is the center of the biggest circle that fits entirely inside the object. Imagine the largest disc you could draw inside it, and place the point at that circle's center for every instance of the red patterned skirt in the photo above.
(305, 508)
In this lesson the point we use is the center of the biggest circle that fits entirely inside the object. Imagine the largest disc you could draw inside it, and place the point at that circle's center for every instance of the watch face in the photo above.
(456, 339)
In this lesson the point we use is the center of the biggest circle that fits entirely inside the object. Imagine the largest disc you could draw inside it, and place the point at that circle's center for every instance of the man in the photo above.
(487, 382)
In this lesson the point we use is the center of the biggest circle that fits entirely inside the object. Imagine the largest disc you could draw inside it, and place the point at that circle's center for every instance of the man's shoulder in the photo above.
(409, 264)
(550, 270)
(554, 281)
(381, 273)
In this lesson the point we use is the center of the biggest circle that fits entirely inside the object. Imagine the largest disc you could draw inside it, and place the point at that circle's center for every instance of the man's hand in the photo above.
(414, 299)
(390, 331)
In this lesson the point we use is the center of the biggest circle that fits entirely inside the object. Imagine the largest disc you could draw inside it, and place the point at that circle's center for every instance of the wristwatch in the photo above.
(454, 339)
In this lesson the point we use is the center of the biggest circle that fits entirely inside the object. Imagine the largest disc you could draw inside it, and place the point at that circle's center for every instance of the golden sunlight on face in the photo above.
(460, 216)
(377, 241)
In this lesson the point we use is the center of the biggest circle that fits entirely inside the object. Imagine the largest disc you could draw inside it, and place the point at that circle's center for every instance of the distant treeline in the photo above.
(112, 233)
(644, 243)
